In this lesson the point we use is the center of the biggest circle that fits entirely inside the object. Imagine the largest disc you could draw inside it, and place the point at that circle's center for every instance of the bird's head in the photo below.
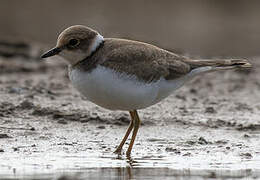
(75, 43)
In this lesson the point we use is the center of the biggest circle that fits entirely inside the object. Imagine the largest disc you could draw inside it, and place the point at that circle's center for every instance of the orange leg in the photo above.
(131, 125)
(137, 123)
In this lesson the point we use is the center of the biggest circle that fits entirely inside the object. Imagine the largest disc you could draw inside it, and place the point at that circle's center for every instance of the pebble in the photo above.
(247, 155)
(4, 136)
(62, 121)
(202, 140)
(101, 127)
(170, 149)
(26, 105)
(187, 154)
(210, 110)
(193, 91)
(14, 90)
(246, 136)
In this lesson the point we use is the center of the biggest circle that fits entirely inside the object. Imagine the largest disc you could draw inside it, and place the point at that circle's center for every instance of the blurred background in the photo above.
(197, 27)
(47, 127)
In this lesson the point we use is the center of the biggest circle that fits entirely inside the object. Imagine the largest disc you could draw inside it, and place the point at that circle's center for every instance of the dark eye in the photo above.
(73, 42)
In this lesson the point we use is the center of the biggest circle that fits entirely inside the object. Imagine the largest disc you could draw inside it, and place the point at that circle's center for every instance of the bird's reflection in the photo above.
(125, 172)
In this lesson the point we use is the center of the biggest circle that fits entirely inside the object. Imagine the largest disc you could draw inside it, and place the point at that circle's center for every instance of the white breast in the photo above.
(119, 91)
(112, 90)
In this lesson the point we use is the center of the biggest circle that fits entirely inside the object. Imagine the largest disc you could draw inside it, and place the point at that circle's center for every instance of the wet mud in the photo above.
(208, 129)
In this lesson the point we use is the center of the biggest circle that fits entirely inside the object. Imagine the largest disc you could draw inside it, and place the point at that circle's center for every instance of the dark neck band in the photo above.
(101, 44)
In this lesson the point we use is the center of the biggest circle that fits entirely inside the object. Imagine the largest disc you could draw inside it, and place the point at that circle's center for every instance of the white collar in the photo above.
(97, 41)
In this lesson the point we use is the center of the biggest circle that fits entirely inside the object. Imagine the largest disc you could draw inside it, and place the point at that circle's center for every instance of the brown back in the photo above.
(147, 62)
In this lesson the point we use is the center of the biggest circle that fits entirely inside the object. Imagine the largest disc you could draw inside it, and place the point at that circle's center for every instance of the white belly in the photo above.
(117, 91)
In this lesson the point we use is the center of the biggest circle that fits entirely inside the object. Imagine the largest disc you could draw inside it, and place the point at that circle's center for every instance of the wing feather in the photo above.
(147, 62)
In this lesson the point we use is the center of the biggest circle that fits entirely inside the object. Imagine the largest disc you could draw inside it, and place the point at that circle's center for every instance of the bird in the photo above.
(128, 75)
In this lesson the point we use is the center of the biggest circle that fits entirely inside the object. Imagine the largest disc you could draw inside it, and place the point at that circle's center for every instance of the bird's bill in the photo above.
(52, 52)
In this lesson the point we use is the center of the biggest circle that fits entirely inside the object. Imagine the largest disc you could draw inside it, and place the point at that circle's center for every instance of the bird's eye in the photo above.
(73, 42)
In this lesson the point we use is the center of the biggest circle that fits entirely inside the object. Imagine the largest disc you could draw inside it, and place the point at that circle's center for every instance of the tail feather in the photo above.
(220, 64)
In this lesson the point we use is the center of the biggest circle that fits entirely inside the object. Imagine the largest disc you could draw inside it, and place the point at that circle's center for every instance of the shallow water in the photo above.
(110, 166)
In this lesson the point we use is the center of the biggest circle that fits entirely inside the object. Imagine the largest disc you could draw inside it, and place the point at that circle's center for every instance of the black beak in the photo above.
(52, 52)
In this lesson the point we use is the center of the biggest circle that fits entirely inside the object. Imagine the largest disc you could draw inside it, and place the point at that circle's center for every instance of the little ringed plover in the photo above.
(121, 74)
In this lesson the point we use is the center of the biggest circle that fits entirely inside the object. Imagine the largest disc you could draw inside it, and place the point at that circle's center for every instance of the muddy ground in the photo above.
(209, 128)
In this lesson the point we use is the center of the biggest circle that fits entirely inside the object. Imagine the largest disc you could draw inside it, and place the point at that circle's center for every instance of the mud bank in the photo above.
(210, 128)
